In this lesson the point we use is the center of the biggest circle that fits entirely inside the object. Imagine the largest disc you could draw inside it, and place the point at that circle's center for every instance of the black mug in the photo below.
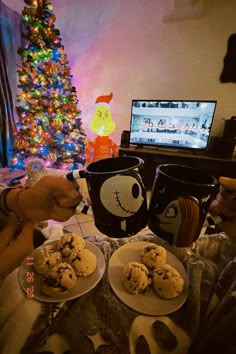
(179, 203)
(117, 194)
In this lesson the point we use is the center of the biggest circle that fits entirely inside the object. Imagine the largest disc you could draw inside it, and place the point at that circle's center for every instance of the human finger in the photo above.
(214, 208)
(227, 199)
(227, 194)
(228, 184)
(66, 202)
(222, 206)
(61, 214)
(64, 194)
(62, 187)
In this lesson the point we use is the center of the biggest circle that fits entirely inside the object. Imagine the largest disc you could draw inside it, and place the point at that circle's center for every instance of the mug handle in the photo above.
(71, 177)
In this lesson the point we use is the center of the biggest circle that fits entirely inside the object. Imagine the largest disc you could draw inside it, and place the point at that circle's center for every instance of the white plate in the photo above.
(148, 303)
(83, 284)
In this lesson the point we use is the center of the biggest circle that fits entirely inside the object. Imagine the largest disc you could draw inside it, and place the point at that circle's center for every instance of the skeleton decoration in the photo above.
(157, 335)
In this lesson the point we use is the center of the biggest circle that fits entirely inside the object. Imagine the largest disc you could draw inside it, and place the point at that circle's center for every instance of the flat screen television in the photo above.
(178, 124)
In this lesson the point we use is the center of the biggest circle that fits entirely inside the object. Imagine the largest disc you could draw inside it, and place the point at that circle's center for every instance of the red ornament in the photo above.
(51, 20)
(14, 161)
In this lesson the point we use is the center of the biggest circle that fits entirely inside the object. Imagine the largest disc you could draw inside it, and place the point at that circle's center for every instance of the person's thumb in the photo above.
(228, 183)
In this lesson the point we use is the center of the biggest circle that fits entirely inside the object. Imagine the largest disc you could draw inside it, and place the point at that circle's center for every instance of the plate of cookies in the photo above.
(148, 278)
(62, 269)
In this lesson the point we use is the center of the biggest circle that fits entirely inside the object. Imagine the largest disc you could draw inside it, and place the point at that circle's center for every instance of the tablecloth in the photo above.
(99, 322)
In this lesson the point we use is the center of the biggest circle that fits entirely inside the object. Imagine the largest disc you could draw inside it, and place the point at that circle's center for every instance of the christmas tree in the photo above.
(49, 124)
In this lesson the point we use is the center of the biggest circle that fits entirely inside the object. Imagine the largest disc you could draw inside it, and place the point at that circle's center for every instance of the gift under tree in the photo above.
(49, 123)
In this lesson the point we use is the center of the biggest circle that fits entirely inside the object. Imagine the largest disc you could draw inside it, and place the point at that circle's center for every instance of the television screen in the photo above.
(178, 124)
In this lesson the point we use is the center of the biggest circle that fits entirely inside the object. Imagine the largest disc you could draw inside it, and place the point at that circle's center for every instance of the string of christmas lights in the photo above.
(49, 123)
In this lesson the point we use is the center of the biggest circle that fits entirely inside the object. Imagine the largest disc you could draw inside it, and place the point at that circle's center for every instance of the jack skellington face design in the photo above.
(122, 195)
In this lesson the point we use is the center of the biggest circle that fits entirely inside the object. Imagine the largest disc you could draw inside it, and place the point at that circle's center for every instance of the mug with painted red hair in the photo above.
(180, 199)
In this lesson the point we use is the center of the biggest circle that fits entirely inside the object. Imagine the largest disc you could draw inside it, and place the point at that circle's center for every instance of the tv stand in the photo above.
(153, 157)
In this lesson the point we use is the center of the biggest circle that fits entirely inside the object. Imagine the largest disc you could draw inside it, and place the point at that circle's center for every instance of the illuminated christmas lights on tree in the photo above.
(49, 124)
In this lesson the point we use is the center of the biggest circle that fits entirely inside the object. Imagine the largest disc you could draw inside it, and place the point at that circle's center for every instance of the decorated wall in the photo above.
(155, 49)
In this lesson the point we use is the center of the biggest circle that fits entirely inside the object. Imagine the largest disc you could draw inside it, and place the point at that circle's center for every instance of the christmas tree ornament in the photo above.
(14, 161)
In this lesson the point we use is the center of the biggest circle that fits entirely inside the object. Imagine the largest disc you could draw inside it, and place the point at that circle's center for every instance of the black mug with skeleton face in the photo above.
(117, 194)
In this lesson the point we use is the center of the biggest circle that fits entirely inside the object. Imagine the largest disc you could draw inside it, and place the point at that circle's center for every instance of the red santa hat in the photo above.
(103, 100)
